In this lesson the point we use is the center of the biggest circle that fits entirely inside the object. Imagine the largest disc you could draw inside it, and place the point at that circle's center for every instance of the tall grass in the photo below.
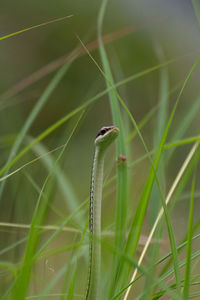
(49, 261)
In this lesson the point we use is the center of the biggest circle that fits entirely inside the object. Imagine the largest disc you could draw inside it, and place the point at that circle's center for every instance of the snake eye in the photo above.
(103, 131)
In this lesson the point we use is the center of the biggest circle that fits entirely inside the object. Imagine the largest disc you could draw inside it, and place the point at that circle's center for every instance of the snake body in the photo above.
(103, 139)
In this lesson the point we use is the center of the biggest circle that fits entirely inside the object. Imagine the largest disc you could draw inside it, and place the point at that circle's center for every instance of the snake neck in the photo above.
(95, 225)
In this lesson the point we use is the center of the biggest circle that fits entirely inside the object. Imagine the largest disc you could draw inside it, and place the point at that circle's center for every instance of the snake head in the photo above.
(106, 136)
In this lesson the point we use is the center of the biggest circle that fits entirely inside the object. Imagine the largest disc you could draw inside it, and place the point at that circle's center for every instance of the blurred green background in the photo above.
(140, 34)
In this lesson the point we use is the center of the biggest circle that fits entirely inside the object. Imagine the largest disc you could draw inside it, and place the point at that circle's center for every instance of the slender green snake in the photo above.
(103, 139)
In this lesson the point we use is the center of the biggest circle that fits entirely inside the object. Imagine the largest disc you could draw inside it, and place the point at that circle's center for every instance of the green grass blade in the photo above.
(173, 248)
(11, 247)
(155, 194)
(196, 8)
(122, 174)
(160, 128)
(120, 142)
(70, 295)
(33, 27)
(182, 142)
(189, 244)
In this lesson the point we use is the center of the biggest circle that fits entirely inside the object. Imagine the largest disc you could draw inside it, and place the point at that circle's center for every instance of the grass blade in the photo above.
(33, 27)
(189, 244)
(70, 295)
(120, 142)
(196, 8)
(122, 174)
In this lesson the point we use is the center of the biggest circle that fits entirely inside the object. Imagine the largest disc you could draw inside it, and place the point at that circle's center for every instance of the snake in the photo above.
(105, 137)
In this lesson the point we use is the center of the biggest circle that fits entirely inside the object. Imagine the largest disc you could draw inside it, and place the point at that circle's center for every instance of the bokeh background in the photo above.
(139, 35)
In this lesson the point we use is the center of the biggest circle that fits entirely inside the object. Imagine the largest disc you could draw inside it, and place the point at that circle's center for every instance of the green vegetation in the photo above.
(150, 208)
